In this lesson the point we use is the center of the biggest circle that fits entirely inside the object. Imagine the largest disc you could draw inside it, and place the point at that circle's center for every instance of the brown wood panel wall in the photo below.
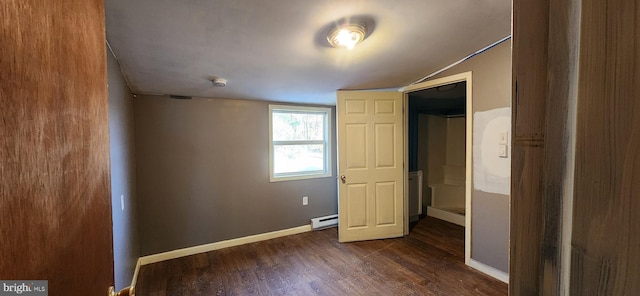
(54, 161)
(606, 225)
(560, 114)
(576, 71)
(530, 35)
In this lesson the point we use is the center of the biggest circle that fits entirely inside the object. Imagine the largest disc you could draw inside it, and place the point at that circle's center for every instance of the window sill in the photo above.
(298, 177)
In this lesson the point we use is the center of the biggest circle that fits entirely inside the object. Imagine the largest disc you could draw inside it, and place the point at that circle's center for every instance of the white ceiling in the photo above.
(277, 51)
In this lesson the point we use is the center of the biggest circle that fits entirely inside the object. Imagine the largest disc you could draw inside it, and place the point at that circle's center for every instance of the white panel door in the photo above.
(370, 184)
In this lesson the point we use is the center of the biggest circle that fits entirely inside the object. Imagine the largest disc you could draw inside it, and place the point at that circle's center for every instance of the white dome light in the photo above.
(347, 36)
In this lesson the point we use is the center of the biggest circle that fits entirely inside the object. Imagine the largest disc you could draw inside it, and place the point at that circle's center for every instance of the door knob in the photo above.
(343, 178)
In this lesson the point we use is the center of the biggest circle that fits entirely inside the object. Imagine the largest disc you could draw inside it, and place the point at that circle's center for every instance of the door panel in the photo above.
(385, 206)
(54, 146)
(356, 205)
(385, 145)
(356, 137)
(370, 158)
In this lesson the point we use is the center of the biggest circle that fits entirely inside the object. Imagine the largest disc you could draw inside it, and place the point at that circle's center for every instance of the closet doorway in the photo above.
(438, 152)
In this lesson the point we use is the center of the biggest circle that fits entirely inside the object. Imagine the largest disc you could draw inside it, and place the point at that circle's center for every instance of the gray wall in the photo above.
(490, 212)
(203, 174)
(456, 141)
(123, 182)
(433, 132)
(431, 157)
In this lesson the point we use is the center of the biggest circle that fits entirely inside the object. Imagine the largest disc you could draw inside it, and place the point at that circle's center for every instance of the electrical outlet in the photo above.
(305, 200)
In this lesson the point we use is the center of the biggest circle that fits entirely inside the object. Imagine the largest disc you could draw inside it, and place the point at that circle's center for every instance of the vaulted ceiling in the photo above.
(277, 50)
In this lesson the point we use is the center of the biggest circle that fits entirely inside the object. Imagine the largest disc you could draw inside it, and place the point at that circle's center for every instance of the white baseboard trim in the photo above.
(490, 271)
(446, 216)
(221, 245)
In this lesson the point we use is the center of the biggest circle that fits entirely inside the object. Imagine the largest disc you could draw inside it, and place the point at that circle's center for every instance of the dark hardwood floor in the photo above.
(429, 261)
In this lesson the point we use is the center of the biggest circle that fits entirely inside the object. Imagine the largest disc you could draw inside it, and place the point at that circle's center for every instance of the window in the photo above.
(300, 146)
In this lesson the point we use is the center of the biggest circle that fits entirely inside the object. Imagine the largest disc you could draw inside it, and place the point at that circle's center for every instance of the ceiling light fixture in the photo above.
(347, 35)
(219, 82)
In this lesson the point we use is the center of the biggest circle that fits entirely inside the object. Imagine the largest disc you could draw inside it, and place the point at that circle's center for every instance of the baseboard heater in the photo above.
(324, 222)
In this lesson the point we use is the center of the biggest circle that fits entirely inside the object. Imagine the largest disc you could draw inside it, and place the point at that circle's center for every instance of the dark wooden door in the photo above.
(55, 213)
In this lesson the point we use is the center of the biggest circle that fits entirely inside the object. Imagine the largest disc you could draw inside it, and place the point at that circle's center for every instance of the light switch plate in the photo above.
(504, 138)
(503, 151)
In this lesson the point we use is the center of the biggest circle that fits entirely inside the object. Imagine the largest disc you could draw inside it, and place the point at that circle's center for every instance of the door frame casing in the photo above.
(467, 77)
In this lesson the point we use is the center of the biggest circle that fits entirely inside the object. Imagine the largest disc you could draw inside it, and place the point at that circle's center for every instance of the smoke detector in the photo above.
(219, 82)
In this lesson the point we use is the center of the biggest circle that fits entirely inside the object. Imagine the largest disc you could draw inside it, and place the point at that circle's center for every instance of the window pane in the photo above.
(290, 126)
(298, 158)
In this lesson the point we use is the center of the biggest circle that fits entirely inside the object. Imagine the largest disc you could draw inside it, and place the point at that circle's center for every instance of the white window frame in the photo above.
(327, 142)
